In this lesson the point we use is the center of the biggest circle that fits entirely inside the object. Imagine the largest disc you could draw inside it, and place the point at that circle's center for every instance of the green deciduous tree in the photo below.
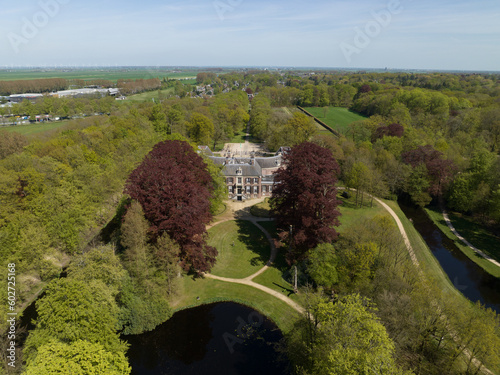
(77, 358)
(100, 263)
(201, 129)
(322, 265)
(344, 337)
(75, 310)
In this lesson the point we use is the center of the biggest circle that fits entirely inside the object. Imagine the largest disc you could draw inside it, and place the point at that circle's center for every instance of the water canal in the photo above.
(470, 279)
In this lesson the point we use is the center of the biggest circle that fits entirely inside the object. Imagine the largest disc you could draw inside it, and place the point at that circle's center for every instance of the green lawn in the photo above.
(250, 251)
(31, 129)
(351, 215)
(337, 118)
(149, 95)
(474, 233)
(209, 290)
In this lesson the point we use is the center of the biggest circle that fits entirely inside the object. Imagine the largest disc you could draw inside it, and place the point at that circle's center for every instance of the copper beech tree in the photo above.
(304, 199)
(174, 188)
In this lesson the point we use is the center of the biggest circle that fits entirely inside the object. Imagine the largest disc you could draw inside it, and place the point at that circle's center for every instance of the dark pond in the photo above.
(475, 283)
(221, 338)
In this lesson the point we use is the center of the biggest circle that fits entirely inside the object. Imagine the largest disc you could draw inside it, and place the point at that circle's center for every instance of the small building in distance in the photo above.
(247, 177)
(18, 98)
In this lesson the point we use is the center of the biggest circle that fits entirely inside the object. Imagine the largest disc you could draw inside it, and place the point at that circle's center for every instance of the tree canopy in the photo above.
(304, 199)
(174, 188)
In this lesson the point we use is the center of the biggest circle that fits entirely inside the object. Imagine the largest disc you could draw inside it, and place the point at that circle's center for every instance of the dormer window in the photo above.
(239, 172)
(277, 162)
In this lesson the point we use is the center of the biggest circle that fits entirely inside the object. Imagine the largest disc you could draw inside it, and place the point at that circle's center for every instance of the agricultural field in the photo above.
(31, 129)
(93, 74)
(336, 117)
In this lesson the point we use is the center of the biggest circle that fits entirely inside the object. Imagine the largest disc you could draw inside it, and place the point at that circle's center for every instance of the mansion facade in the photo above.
(249, 178)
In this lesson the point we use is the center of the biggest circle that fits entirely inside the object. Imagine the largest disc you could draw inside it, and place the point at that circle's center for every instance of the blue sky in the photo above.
(404, 34)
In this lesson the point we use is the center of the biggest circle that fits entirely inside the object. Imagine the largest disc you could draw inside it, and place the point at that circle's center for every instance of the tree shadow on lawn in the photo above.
(290, 291)
(254, 240)
(279, 263)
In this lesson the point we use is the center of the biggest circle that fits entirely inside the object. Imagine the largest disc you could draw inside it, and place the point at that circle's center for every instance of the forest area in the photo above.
(432, 137)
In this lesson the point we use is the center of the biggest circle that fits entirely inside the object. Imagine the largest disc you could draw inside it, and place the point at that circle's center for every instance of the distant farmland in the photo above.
(93, 74)
(336, 117)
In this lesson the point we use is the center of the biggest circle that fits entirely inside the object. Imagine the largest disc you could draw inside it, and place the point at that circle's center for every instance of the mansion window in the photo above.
(248, 189)
(256, 189)
(230, 180)
(239, 180)
(248, 180)
(264, 189)
(230, 189)
(255, 180)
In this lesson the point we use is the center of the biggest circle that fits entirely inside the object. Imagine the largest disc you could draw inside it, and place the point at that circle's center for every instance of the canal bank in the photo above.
(463, 274)
(436, 215)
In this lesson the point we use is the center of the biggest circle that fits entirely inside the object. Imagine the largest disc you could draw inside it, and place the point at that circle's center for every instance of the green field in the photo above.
(336, 117)
(150, 95)
(111, 74)
(243, 248)
(31, 129)
(476, 234)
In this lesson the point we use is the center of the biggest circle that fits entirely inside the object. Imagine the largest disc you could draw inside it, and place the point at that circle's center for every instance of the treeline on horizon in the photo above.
(49, 85)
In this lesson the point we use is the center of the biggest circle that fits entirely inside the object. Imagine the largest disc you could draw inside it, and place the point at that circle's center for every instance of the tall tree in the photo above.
(174, 189)
(201, 129)
(304, 199)
(439, 170)
(342, 338)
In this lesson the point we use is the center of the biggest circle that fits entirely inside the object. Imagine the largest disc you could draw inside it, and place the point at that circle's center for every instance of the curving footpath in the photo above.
(240, 211)
(467, 243)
